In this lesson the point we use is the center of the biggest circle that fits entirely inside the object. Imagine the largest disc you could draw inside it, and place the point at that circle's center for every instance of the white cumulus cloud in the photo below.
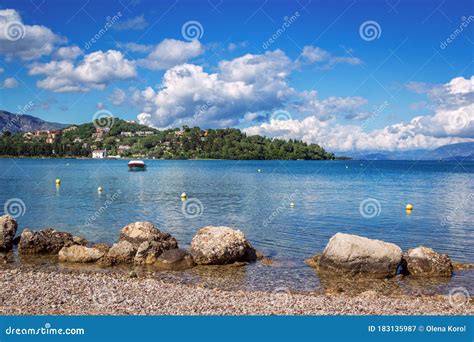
(94, 71)
(171, 52)
(27, 42)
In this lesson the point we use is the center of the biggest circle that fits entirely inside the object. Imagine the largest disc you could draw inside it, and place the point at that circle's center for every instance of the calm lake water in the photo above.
(358, 197)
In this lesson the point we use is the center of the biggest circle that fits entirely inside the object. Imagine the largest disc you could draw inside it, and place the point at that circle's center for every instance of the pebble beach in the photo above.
(30, 291)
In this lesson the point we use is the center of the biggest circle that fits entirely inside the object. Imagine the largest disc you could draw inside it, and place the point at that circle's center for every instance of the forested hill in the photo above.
(134, 140)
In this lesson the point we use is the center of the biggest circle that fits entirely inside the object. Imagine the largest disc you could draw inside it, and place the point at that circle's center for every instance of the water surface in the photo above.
(327, 197)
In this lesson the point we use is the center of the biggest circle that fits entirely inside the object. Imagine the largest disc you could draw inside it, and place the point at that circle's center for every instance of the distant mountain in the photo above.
(460, 151)
(15, 123)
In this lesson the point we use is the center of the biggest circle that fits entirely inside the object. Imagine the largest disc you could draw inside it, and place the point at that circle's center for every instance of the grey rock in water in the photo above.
(122, 252)
(220, 246)
(149, 241)
(47, 241)
(175, 260)
(353, 254)
(425, 262)
(8, 227)
(80, 254)
(139, 232)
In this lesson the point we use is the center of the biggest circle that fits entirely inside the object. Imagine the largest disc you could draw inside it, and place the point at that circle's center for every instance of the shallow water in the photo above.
(327, 195)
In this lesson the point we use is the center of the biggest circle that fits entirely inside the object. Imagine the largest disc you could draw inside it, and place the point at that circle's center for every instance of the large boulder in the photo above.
(139, 232)
(149, 241)
(175, 260)
(8, 227)
(353, 254)
(80, 254)
(221, 245)
(425, 262)
(120, 253)
(47, 241)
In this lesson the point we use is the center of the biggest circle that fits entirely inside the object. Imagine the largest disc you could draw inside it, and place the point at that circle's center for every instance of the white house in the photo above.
(99, 154)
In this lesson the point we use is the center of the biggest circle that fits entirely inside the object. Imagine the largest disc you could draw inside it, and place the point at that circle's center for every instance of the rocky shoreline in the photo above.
(28, 291)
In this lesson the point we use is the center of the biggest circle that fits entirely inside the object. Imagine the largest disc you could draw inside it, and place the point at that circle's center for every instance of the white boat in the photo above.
(136, 165)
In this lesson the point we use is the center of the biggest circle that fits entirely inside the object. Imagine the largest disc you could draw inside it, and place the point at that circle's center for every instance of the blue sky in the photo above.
(293, 69)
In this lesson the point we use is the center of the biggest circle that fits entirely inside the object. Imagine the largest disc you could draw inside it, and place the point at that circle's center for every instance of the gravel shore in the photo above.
(39, 292)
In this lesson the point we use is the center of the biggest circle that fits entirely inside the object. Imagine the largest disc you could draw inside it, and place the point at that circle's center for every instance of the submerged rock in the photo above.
(353, 254)
(425, 262)
(79, 253)
(120, 253)
(175, 260)
(47, 241)
(221, 245)
(8, 227)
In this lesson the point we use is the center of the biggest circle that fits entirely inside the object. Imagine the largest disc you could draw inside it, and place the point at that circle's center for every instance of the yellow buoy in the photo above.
(183, 195)
(409, 207)
(100, 189)
(58, 181)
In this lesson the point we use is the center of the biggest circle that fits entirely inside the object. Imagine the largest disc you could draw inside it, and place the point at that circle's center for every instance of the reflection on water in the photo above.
(326, 195)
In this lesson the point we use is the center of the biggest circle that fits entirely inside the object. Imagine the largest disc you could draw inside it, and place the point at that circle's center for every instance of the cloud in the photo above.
(10, 83)
(452, 122)
(27, 42)
(117, 97)
(189, 95)
(100, 105)
(171, 52)
(327, 109)
(68, 52)
(135, 23)
(1, 70)
(95, 71)
(134, 47)
(314, 54)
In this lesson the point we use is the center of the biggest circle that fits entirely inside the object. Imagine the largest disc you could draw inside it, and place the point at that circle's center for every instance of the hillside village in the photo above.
(129, 139)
